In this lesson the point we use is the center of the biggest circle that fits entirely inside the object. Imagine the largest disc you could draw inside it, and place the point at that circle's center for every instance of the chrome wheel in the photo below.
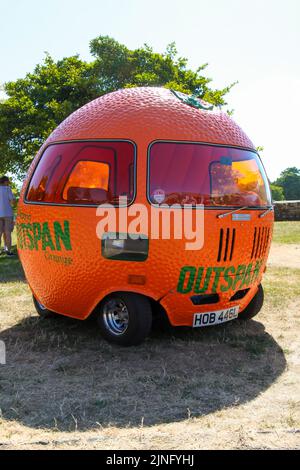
(116, 316)
(125, 318)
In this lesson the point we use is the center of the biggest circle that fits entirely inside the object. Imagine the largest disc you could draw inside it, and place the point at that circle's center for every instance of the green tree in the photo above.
(36, 104)
(120, 67)
(289, 180)
(277, 192)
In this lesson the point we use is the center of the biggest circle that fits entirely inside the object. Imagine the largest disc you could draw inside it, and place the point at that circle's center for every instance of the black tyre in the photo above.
(254, 306)
(125, 318)
(41, 310)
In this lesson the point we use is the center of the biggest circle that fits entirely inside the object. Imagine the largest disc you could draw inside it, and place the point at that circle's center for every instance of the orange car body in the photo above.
(72, 276)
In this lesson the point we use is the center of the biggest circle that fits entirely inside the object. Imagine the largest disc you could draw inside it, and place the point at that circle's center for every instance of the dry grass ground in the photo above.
(232, 386)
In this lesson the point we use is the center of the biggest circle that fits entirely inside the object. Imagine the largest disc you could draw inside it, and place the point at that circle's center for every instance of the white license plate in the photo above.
(214, 318)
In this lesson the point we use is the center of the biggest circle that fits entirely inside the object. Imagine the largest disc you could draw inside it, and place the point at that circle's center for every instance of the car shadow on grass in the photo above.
(61, 375)
(10, 268)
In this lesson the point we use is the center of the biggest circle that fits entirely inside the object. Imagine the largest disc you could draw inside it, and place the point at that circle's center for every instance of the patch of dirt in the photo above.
(235, 386)
(287, 256)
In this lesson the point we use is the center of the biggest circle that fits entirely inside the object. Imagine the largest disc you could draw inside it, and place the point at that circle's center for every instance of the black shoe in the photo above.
(10, 253)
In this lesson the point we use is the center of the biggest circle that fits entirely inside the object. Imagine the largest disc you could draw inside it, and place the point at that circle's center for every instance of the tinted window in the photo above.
(88, 181)
(183, 173)
(86, 173)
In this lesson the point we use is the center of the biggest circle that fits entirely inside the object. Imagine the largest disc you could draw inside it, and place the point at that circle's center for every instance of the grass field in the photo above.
(287, 232)
(232, 386)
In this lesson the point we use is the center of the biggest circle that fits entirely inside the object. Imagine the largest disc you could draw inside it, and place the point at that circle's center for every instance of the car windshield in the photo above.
(192, 173)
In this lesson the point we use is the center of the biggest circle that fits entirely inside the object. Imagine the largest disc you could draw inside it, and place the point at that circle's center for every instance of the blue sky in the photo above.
(254, 42)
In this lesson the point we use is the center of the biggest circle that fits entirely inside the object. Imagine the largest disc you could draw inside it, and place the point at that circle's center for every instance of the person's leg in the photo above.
(7, 233)
(1, 230)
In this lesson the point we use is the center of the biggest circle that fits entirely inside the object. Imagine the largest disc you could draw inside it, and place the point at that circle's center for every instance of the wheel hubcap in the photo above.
(115, 316)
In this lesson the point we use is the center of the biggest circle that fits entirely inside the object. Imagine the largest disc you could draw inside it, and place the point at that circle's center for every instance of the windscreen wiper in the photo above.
(220, 216)
(266, 212)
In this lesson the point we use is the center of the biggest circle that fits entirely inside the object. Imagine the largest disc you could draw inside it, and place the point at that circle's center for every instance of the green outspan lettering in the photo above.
(62, 234)
(29, 242)
(218, 272)
(29, 236)
(198, 289)
(240, 272)
(256, 270)
(229, 272)
(247, 276)
(233, 278)
(191, 272)
(36, 234)
(198, 279)
(46, 237)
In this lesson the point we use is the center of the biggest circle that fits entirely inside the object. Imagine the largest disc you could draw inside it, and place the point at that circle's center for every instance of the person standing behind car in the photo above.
(6, 213)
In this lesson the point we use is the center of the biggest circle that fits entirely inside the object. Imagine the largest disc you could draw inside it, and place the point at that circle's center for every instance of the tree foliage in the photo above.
(277, 192)
(36, 104)
(120, 67)
(289, 181)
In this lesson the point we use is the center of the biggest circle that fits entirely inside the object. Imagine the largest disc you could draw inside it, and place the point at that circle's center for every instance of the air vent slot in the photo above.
(205, 299)
(240, 294)
(226, 244)
(261, 239)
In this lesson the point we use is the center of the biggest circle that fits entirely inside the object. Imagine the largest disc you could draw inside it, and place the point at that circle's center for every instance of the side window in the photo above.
(84, 173)
(41, 186)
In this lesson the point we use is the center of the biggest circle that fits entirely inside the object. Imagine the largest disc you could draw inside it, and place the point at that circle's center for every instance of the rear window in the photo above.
(191, 173)
(84, 173)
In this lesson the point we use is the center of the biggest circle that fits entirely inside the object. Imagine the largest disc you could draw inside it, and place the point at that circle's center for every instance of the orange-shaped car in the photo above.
(86, 236)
